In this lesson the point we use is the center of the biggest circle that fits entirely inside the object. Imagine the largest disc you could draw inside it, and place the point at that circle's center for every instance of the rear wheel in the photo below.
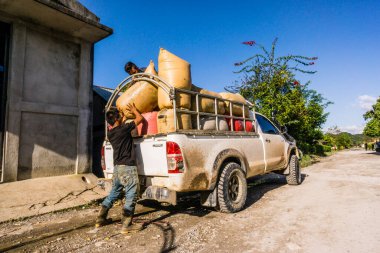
(294, 177)
(232, 189)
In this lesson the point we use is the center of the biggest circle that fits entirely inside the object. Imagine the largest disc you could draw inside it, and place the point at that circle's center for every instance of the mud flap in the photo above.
(209, 198)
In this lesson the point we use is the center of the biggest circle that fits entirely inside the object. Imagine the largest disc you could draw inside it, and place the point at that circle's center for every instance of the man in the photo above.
(132, 69)
(125, 171)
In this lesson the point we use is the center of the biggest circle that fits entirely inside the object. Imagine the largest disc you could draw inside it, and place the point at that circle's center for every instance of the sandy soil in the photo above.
(336, 209)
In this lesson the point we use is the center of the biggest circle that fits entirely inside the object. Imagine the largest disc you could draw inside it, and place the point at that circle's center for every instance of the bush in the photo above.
(326, 148)
(304, 147)
(319, 149)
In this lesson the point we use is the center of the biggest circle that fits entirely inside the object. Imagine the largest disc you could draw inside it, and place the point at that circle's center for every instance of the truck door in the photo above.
(274, 144)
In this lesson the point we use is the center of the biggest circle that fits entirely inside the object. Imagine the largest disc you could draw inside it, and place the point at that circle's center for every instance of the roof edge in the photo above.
(74, 14)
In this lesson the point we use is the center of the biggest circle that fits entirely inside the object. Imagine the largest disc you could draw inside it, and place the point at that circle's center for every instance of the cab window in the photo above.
(266, 126)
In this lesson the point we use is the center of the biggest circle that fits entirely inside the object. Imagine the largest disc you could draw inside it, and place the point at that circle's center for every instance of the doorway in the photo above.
(4, 52)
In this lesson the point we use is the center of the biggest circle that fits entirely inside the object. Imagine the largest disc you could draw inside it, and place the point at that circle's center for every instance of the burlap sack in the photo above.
(143, 94)
(176, 72)
(165, 121)
(237, 110)
(207, 104)
(208, 123)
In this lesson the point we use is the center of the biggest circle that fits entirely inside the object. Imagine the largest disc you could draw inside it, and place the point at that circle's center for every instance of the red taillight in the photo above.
(103, 162)
(174, 157)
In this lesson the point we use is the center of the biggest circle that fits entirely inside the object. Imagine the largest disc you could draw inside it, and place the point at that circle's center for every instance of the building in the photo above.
(46, 70)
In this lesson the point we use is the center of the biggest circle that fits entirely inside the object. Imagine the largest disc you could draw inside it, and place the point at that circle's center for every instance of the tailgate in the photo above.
(151, 156)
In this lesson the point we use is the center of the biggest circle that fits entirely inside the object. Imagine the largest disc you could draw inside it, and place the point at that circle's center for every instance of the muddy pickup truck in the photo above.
(214, 163)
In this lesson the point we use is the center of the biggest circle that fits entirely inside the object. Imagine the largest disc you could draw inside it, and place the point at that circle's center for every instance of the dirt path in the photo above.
(336, 209)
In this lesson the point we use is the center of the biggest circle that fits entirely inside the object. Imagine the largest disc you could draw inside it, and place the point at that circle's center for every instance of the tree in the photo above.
(344, 140)
(269, 82)
(329, 139)
(372, 127)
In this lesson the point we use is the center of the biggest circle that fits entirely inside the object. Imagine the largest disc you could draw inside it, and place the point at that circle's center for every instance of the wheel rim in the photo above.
(233, 187)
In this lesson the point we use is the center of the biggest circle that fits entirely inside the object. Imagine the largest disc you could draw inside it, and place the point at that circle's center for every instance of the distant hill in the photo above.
(347, 139)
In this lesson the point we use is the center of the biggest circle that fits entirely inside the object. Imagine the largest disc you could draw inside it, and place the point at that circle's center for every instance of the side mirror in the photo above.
(284, 129)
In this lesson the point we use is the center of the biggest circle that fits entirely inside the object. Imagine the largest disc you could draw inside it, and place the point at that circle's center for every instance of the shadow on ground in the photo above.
(188, 204)
(373, 153)
(258, 186)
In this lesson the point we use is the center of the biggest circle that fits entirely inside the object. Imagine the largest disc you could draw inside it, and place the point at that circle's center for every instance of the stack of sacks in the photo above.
(176, 72)
(143, 94)
(207, 104)
(165, 121)
(237, 110)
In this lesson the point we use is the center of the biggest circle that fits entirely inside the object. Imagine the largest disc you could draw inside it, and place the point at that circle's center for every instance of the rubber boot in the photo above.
(127, 225)
(102, 220)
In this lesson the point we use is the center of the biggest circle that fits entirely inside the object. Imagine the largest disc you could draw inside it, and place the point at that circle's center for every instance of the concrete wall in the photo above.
(49, 103)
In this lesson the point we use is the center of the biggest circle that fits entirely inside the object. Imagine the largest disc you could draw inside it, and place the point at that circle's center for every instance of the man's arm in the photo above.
(139, 118)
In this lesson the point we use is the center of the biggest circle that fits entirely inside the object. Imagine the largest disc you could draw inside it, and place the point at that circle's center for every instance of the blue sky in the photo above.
(344, 35)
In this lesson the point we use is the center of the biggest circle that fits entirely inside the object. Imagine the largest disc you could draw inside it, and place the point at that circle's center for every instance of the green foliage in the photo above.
(326, 149)
(319, 149)
(270, 83)
(329, 139)
(372, 128)
(343, 140)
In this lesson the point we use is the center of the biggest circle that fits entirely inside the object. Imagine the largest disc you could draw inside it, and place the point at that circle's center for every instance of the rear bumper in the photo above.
(161, 194)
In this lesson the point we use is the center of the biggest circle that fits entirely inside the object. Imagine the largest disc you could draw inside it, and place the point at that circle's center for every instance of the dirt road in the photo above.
(336, 209)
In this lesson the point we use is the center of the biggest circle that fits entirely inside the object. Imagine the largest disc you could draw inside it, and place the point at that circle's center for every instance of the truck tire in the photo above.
(232, 189)
(294, 177)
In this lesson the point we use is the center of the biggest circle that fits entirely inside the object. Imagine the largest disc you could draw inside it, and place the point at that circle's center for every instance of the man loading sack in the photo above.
(125, 174)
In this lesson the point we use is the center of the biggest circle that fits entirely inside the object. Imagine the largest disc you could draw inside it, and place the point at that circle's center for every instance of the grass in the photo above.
(309, 159)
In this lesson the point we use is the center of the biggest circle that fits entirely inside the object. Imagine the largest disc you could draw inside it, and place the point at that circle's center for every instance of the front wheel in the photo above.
(232, 189)
(294, 177)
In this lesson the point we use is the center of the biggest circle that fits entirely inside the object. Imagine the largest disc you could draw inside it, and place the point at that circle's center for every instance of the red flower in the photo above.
(249, 43)
(296, 83)
(311, 63)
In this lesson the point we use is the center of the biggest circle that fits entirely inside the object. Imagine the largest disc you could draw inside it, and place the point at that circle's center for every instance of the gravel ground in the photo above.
(334, 210)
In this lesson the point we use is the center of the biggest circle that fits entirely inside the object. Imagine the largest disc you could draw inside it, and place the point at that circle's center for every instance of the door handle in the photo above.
(267, 140)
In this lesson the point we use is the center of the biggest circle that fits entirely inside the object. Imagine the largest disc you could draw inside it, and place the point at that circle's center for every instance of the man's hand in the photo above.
(132, 108)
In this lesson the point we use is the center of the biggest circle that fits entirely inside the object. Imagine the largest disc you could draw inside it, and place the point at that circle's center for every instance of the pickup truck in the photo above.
(214, 163)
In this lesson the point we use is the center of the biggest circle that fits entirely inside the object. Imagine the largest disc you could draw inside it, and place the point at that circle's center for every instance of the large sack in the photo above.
(143, 94)
(176, 72)
(207, 104)
(237, 110)
(165, 121)
(208, 123)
